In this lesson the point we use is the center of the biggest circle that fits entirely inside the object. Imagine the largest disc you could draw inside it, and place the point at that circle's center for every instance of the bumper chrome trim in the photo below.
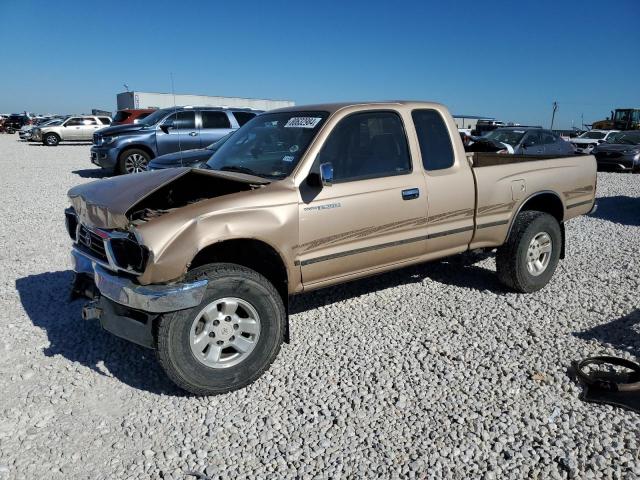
(148, 298)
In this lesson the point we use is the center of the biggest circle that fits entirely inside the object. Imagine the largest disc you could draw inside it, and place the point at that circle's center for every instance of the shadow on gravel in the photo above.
(93, 173)
(61, 144)
(458, 271)
(620, 209)
(623, 333)
(45, 298)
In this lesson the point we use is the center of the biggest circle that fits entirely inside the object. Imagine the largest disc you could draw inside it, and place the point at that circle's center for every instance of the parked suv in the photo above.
(129, 148)
(16, 121)
(131, 115)
(78, 128)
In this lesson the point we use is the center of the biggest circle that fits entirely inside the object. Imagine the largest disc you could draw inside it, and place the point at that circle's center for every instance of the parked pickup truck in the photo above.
(200, 263)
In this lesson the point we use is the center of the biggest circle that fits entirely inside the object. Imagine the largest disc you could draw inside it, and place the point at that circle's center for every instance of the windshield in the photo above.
(593, 135)
(52, 123)
(510, 137)
(155, 117)
(218, 143)
(270, 145)
(625, 138)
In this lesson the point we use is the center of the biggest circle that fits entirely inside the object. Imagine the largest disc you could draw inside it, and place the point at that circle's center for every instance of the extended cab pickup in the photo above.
(199, 263)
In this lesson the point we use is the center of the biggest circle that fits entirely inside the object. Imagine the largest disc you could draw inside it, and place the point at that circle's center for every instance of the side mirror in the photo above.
(166, 126)
(326, 174)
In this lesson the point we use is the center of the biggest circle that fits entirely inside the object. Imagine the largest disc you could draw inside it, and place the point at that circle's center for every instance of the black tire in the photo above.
(51, 140)
(10, 131)
(173, 348)
(140, 156)
(511, 259)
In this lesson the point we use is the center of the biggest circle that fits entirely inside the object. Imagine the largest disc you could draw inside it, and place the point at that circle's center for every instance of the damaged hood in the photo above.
(109, 203)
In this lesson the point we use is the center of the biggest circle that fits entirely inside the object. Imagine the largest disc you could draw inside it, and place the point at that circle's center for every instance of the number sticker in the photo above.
(302, 122)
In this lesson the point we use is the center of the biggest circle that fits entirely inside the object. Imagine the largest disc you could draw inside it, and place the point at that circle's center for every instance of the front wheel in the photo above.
(51, 140)
(133, 161)
(528, 259)
(227, 341)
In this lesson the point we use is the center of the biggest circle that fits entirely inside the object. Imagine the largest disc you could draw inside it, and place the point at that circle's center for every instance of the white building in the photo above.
(163, 100)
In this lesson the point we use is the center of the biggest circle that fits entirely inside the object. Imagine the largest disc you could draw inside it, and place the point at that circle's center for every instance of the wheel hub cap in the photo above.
(539, 253)
(135, 163)
(225, 332)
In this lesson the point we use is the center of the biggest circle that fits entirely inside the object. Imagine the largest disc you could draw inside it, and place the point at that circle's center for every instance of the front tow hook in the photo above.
(91, 311)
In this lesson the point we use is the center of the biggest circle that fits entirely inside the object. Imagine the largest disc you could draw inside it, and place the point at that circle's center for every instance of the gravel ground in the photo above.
(428, 372)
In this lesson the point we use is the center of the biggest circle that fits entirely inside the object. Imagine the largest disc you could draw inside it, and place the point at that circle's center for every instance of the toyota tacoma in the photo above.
(199, 264)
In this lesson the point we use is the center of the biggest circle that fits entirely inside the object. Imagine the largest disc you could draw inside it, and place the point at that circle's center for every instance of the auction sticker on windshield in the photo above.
(302, 122)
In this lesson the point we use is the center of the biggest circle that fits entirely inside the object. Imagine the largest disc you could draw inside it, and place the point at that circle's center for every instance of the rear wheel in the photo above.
(51, 140)
(227, 341)
(528, 259)
(133, 161)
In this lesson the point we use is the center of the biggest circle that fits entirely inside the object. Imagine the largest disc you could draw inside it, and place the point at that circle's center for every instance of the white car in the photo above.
(586, 142)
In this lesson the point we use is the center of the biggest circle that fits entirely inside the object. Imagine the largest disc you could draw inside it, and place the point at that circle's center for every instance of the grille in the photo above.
(91, 243)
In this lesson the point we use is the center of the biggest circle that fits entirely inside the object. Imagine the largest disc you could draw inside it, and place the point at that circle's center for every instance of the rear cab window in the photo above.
(434, 140)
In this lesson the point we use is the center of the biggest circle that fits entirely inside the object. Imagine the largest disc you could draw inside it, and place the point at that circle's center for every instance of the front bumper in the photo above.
(104, 157)
(147, 298)
(623, 162)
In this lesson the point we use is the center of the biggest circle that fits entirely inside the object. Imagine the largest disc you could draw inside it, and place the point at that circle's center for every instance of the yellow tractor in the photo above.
(620, 119)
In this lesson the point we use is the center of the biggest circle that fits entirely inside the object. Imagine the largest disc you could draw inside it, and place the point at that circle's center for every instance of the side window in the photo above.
(89, 121)
(367, 145)
(105, 120)
(213, 119)
(73, 122)
(533, 138)
(434, 140)
(183, 120)
(548, 138)
(243, 117)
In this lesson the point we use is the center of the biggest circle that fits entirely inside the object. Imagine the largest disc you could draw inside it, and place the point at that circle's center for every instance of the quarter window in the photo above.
(367, 145)
(105, 120)
(213, 119)
(434, 140)
(243, 117)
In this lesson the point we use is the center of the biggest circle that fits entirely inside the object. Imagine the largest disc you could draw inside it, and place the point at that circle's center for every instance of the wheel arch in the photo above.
(136, 146)
(546, 201)
(252, 253)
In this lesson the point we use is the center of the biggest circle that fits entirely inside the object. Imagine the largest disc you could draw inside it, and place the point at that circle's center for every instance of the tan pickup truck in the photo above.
(199, 263)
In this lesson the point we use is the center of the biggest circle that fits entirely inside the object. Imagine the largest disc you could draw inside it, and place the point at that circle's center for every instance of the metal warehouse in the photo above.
(163, 100)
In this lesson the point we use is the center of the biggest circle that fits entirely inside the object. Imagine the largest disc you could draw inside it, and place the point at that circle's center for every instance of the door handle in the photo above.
(410, 193)
(193, 134)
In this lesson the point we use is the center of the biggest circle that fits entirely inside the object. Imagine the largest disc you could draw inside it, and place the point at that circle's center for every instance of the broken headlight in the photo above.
(71, 222)
(129, 254)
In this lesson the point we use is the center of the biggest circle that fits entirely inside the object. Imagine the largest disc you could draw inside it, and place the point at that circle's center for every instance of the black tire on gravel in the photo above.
(51, 140)
(511, 259)
(122, 160)
(173, 347)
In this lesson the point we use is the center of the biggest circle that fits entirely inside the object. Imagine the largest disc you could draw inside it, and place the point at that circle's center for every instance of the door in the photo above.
(178, 132)
(71, 130)
(532, 143)
(450, 188)
(375, 211)
(89, 125)
(215, 125)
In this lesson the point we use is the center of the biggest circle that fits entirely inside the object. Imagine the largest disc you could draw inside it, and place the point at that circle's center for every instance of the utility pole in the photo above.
(553, 115)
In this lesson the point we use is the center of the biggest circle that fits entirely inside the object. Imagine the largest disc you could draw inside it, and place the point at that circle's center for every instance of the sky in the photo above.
(505, 59)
